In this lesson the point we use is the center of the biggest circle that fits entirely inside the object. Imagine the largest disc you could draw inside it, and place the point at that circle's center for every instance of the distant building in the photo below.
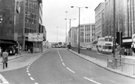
(99, 20)
(73, 36)
(87, 34)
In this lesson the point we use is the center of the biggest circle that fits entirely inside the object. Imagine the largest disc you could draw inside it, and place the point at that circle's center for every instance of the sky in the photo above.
(54, 14)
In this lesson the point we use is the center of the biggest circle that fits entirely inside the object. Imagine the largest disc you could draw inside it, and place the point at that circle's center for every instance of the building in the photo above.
(87, 34)
(73, 37)
(20, 20)
(99, 21)
(124, 17)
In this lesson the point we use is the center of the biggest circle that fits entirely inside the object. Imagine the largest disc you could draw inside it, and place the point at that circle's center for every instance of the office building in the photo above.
(22, 23)
(99, 20)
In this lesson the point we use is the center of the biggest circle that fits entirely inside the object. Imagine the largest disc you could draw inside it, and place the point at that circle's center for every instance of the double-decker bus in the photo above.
(105, 44)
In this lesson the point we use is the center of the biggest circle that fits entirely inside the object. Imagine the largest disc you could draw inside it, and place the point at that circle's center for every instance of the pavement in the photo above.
(125, 70)
(19, 61)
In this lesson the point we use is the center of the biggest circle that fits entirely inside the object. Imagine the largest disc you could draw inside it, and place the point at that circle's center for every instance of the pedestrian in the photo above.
(5, 59)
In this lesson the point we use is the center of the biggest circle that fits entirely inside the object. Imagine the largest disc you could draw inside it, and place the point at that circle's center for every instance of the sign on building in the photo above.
(35, 37)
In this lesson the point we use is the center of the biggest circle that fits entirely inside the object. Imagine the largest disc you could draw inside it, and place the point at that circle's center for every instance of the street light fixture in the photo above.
(79, 26)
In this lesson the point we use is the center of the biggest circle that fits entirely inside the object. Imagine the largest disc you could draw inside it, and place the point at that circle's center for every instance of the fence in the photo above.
(126, 66)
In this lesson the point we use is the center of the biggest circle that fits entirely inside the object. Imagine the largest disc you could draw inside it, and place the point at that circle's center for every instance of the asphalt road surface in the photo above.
(59, 66)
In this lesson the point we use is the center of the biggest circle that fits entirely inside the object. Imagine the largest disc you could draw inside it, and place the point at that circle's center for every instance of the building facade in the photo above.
(19, 19)
(73, 36)
(99, 20)
(87, 34)
(124, 17)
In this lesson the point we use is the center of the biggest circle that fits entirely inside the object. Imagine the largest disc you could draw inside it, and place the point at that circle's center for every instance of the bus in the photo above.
(105, 45)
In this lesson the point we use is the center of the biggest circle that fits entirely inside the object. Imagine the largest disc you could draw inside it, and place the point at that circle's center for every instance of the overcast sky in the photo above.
(54, 16)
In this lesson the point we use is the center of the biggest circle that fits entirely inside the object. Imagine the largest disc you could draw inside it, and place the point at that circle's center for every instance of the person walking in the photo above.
(5, 59)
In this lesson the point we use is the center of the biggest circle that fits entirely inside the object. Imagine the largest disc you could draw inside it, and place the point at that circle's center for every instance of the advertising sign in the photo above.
(35, 37)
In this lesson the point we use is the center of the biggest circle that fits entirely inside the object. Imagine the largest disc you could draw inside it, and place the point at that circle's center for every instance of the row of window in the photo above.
(28, 30)
(30, 15)
(32, 4)
(30, 20)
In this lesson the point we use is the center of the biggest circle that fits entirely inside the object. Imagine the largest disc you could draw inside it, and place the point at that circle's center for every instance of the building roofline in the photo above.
(99, 5)
(87, 24)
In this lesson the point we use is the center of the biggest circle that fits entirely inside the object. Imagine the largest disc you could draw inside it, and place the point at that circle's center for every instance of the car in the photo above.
(89, 47)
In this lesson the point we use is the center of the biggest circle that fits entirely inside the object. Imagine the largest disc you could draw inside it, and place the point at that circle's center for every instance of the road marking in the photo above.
(27, 71)
(114, 82)
(29, 74)
(31, 78)
(3, 80)
(70, 70)
(36, 83)
(61, 58)
(91, 80)
(63, 63)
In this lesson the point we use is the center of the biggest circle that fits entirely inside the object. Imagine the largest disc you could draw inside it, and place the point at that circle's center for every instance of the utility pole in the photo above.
(114, 31)
(66, 27)
(57, 34)
(79, 28)
(24, 26)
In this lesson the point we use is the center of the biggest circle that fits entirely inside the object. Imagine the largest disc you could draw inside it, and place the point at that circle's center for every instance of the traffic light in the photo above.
(1, 18)
(119, 38)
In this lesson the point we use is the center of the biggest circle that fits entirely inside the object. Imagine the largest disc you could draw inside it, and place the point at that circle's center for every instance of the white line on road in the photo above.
(91, 80)
(61, 59)
(114, 82)
(70, 70)
(29, 74)
(31, 78)
(63, 63)
(3, 80)
(27, 70)
(36, 83)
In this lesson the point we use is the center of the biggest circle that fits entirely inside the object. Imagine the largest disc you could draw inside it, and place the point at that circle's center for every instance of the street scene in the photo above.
(67, 42)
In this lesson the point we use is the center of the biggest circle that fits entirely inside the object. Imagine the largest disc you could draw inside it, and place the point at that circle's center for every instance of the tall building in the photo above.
(124, 17)
(87, 34)
(99, 20)
(21, 21)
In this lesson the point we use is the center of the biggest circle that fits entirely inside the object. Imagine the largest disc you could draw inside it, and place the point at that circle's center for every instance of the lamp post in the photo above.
(70, 22)
(78, 27)
(114, 33)
(23, 35)
(57, 34)
(70, 36)
(66, 25)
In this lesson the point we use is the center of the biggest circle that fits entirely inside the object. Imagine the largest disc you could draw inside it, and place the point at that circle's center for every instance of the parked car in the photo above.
(89, 47)
(11, 51)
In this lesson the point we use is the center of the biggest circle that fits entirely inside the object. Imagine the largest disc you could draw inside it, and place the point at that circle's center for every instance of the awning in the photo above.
(6, 42)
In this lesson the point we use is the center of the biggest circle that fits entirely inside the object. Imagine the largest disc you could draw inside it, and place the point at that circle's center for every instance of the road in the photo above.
(59, 66)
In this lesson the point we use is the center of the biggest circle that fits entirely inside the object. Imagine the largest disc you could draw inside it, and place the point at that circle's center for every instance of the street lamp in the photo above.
(57, 34)
(66, 25)
(70, 22)
(70, 32)
(78, 27)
